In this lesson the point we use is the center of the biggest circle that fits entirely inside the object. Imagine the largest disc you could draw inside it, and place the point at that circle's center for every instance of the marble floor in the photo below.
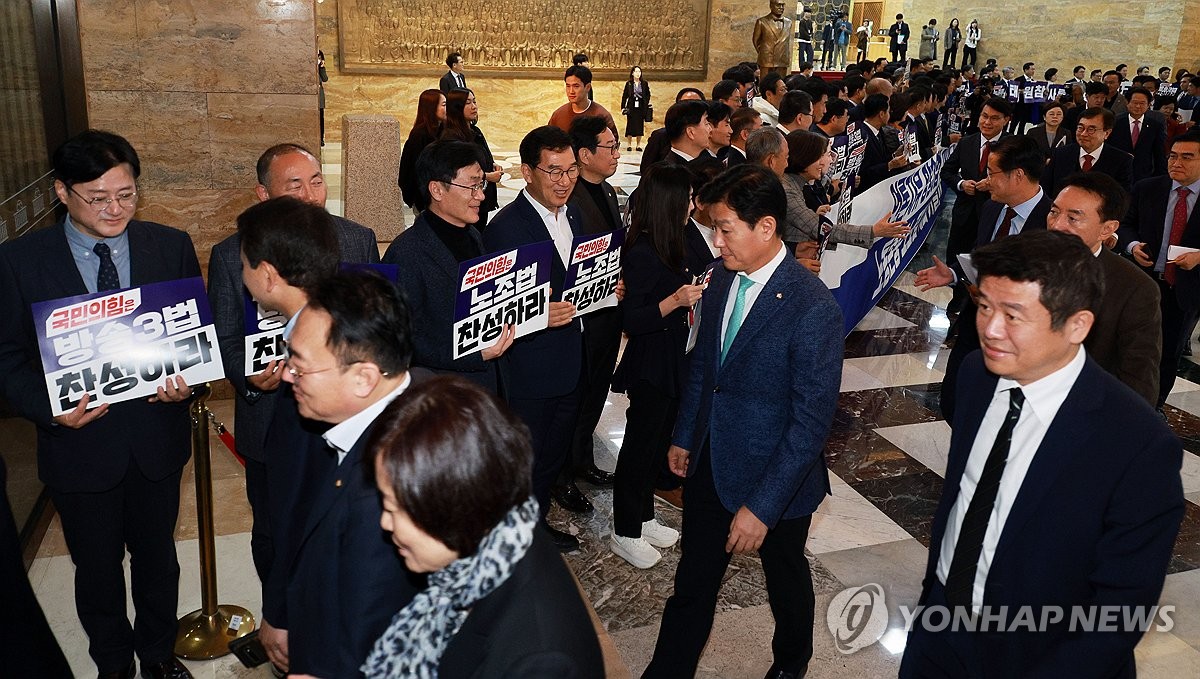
(886, 453)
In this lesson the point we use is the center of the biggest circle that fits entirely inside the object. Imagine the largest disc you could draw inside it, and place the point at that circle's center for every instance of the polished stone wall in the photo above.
(200, 89)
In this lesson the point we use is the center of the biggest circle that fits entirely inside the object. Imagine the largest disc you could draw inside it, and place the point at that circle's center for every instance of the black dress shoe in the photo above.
(776, 673)
(127, 673)
(570, 498)
(597, 476)
(565, 542)
(167, 669)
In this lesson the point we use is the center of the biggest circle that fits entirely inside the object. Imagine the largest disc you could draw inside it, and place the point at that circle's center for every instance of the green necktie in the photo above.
(738, 315)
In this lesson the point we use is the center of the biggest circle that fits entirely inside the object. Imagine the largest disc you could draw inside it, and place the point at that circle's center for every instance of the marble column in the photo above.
(370, 161)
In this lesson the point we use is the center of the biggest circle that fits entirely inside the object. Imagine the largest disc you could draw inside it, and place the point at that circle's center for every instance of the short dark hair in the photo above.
(751, 191)
(835, 108)
(544, 138)
(453, 58)
(1079, 68)
(1070, 278)
(684, 90)
(854, 84)
(805, 65)
(1000, 106)
(1026, 66)
(740, 74)
(793, 104)
(1112, 72)
(1164, 68)
(582, 72)
(297, 238)
(873, 104)
(769, 83)
(370, 319)
(743, 119)
(1143, 80)
(804, 149)
(1163, 100)
(1142, 91)
(262, 169)
(441, 161)
(91, 153)
(1020, 153)
(724, 89)
(1050, 73)
(1119, 67)
(718, 111)
(1092, 88)
(585, 133)
(1114, 200)
(579, 58)
(1093, 72)
(1190, 136)
(456, 458)
(682, 115)
(1106, 116)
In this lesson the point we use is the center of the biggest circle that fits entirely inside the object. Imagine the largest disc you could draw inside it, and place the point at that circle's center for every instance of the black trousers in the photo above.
(969, 53)
(551, 423)
(649, 421)
(806, 53)
(262, 550)
(688, 616)
(948, 654)
(1177, 324)
(949, 57)
(139, 514)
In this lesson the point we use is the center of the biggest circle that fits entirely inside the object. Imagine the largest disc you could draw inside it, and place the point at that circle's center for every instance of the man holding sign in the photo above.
(113, 471)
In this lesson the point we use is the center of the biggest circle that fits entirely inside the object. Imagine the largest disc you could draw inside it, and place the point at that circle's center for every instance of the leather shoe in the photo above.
(776, 673)
(565, 542)
(570, 498)
(127, 673)
(597, 476)
(167, 669)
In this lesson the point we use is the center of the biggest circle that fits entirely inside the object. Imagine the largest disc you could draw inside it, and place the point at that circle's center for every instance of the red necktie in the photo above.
(983, 157)
(1178, 223)
(1137, 131)
(1005, 225)
(1087, 163)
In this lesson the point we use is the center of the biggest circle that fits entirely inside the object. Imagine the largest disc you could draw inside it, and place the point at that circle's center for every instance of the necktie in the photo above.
(107, 279)
(1137, 131)
(983, 158)
(460, 81)
(960, 579)
(1179, 220)
(738, 315)
(1087, 163)
(1005, 225)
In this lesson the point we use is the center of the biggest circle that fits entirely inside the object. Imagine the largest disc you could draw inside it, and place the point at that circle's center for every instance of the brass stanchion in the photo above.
(206, 633)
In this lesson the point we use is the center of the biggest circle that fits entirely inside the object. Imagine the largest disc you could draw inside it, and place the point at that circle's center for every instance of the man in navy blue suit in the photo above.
(752, 425)
(1062, 496)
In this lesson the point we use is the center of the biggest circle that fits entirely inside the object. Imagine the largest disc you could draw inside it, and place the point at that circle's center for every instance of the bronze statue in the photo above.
(773, 40)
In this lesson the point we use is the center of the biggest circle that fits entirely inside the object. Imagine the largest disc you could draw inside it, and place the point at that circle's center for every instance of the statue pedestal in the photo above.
(370, 161)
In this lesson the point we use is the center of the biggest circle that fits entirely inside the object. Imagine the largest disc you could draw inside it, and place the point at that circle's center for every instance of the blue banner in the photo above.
(504, 288)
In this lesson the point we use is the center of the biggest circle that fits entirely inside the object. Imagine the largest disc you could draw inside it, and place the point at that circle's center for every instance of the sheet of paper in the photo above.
(969, 269)
(1175, 250)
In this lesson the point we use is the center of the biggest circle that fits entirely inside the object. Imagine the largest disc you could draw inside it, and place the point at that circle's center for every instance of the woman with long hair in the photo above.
(634, 101)
(971, 43)
(462, 118)
(431, 115)
(950, 48)
(659, 290)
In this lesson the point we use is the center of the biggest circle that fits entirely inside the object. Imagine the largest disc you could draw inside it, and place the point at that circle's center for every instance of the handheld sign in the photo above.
(122, 345)
(503, 288)
(591, 280)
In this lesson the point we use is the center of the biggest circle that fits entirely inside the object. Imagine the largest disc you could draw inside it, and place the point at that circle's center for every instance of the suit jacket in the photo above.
(346, 580)
(734, 157)
(548, 363)
(1038, 134)
(1064, 162)
(38, 267)
(252, 409)
(874, 167)
(898, 29)
(963, 165)
(601, 328)
(1145, 222)
(628, 96)
(657, 148)
(534, 625)
(449, 82)
(1150, 156)
(1094, 524)
(1126, 339)
(766, 411)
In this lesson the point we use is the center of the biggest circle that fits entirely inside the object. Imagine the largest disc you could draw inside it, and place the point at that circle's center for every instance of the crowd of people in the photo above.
(400, 493)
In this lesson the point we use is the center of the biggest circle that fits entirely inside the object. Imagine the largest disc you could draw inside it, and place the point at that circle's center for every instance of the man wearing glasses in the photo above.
(1089, 153)
(543, 377)
(113, 471)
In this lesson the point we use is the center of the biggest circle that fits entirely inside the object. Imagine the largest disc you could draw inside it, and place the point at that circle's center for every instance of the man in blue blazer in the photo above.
(544, 369)
(1062, 496)
(113, 471)
(752, 424)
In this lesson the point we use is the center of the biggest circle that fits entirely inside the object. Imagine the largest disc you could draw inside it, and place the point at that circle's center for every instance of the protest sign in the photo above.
(504, 288)
(591, 280)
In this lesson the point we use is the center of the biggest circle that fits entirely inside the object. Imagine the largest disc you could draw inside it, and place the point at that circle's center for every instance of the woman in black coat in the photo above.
(1051, 133)
(462, 118)
(634, 101)
(431, 114)
(659, 292)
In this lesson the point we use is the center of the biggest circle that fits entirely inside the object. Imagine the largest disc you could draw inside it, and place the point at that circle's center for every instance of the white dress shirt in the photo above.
(709, 235)
(1094, 154)
(1043, 398)
(346, 433)
(760, 279)
(558, 226)
(683, 155)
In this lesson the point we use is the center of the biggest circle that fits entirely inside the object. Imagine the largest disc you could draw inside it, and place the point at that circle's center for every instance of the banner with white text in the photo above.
(503, 288)
(591, 279)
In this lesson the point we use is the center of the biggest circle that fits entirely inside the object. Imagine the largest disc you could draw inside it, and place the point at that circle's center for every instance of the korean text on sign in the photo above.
(591, 280)
(503, 288)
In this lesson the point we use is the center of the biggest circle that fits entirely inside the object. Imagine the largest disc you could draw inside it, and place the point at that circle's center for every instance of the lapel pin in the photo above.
(779, 295)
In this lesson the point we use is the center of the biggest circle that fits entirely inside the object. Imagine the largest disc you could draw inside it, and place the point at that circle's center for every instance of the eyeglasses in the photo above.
(613, 148)
(1089, 129)
(125, 200)
(480, 187)
(557, 173)
(297, 374)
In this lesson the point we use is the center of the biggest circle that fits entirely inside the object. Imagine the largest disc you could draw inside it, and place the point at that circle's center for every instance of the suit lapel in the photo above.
(768, 302)
(614, 208)
(714, 309)
(141, 256)
(60, 263)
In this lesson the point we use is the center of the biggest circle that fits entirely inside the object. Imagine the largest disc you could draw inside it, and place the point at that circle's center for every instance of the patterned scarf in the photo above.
(413, 643)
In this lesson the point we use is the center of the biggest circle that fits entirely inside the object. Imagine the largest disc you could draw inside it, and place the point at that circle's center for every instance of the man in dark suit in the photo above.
(1062, 497)
(1022, 112)
(899, 33)
(752, 423)
(877, 163)
(283, 170)
(454, 78)
(1017, 204)
(1126, 338)
(743, 122)
(1089, 153)
(349, 357)
(1161, 214)
(1137, 133)
(113, 471)
(965, 172)
(544, 370)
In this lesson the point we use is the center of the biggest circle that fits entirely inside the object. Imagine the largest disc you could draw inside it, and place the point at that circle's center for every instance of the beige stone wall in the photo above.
(200, 89)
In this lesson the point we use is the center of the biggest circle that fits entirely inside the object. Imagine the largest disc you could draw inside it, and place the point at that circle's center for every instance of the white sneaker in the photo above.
(636, 551)
(659, 535)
